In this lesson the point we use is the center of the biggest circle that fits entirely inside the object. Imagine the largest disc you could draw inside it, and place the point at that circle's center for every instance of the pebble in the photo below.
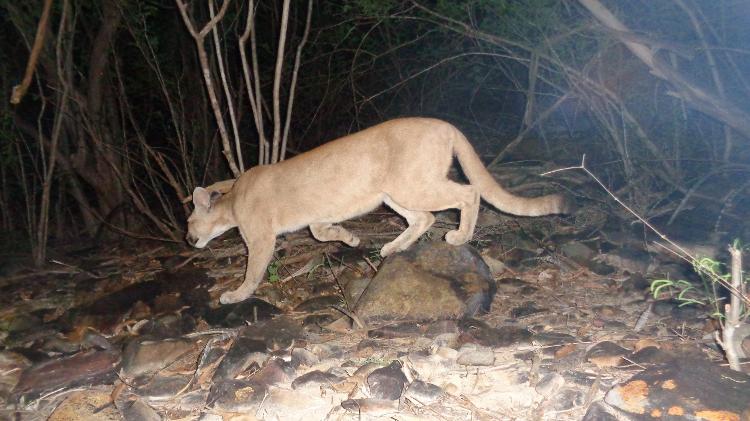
(284, 404)
(424, 393)
(387, 382)
(449, 340)
(371, 407)
(301, 356)
(137, 410)
(528, 308)
(549, 385)
(192, 401)
(471, 354)
(162, 387)
(568, 399)
(316, 377)
(606, 354)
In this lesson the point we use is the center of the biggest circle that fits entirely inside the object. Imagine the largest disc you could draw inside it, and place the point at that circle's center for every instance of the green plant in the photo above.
(375, 257)
(683, 289)
(273, 272)
(712, 272)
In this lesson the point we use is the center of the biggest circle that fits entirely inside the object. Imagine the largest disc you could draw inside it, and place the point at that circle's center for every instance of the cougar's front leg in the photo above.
(260, 251)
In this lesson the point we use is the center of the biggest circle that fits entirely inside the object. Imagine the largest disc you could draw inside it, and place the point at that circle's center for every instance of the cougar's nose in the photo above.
(191, 240)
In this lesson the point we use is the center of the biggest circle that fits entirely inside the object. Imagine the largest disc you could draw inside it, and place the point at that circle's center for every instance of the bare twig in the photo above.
(277, 82)
(253, 85)
(63, 58)
(293, 83)
(41, 32)
(225, 85)
(199, 37)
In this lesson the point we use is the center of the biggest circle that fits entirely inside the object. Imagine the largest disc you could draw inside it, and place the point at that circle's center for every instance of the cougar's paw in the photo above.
(231, 297)
(353, 242)
(389, 249)
(456, 237)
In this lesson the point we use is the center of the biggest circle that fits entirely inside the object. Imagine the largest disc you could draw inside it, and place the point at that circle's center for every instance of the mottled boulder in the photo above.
(144, 356)
(430, 281)
(688, 388)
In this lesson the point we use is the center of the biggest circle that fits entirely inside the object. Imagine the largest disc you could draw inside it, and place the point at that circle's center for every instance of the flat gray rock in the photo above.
(89, 368)
(371, 407)
(138, 410)
(477, 331)
(472, 354)
(549, 385)
(316, 377)
(161, 388)
(423, 392)
(145, 356)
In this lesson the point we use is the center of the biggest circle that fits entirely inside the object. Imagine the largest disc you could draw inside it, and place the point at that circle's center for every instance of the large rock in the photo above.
(685, 388)
(430, 281)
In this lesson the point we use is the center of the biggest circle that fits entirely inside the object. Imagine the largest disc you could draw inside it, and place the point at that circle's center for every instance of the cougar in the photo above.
(403, 163)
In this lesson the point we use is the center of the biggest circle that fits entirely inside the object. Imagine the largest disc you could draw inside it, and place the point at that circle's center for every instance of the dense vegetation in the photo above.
(117, 125)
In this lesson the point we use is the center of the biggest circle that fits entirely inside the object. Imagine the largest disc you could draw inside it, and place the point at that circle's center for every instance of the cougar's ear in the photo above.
(202, 198)
(214, 196)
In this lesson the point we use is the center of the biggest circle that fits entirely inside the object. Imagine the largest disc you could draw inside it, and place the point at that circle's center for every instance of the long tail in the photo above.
(497, 196)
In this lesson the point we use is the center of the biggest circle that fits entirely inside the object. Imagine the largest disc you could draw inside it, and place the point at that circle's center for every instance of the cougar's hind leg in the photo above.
(447, 195)
(419, 222)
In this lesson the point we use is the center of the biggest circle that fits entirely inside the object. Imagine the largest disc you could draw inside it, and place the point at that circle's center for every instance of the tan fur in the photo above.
(403, 163)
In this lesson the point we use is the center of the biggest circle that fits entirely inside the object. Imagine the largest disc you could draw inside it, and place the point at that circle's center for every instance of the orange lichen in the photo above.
(717, 415)
(656, 413)
(634, 396)
(669, 384)
(676, 410)
(244, 393)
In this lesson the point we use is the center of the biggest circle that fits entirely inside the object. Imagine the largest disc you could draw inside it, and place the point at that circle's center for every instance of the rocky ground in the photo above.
(537, 319)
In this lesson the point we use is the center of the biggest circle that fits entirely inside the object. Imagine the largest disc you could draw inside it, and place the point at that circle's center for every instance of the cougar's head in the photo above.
(208, 220)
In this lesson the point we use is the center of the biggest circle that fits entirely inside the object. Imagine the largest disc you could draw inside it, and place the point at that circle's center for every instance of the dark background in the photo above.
(117, 127)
